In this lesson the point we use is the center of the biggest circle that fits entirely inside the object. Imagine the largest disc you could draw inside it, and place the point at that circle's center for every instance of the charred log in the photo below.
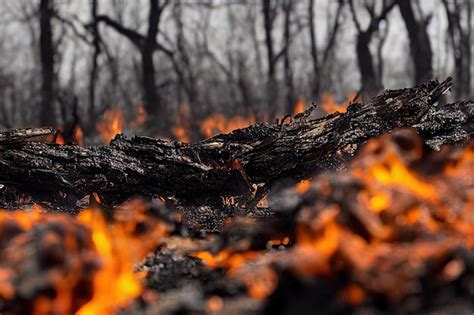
(226, 165)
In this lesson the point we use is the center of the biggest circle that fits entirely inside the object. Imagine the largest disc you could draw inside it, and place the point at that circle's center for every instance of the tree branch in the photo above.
(136, 38)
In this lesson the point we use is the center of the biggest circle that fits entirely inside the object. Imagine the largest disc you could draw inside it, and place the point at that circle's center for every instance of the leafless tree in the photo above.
(269, 11)
(47, 52)
(147, 45)
(460, 37)
(420, 45)
(371, 84)
(96, 43)
(287, 7)
(319, 64)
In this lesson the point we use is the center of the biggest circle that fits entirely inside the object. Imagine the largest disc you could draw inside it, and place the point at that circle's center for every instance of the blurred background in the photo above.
(187, 69)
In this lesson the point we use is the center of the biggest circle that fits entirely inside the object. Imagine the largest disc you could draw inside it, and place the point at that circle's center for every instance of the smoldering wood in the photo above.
(226, 164)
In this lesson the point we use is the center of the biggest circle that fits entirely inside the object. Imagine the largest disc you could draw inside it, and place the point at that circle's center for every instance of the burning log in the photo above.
(226, 165)
(393, 233)
(388, 235)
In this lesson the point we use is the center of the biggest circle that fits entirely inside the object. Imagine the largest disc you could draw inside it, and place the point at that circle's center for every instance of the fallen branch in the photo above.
(226, 164)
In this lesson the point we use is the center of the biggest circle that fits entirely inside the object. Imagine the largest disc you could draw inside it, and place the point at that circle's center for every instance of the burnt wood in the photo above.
(226, 164)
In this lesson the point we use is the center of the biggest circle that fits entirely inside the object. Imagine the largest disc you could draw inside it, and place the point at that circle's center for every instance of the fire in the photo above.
(226, 259)
(95, 256)
(215, 304)
(113, 121)
(218, 123)
(303, 186)
(78, 136)
(330, 105)
(262, 283)
(300, 106)
(353, 294)
(120, 247)
(182, 130)
(394, 199)
(140, 117)
(111, 124)
(51, 248)
(381, 224)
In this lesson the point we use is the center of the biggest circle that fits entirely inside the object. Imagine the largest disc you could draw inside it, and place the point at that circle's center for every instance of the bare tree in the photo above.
(147, 45)
(181, 58)
(371, 84)
(96, 43)
(420, 45)
(460, 38)
(47, 52)
(287, 6)
(269, 11)
(320, 64)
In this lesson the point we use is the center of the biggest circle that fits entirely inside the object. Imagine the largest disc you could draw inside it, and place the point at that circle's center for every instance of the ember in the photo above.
(236, 157)
(62, 265)
(229, 231)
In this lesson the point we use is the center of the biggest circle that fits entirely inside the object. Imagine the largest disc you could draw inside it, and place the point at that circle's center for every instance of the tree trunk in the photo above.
(290, 88)
(47, 108)
(315, 81)
(94, 66)
(226, 164)
(272, 96)
(420, 45)
(152, 101)
(461, 47)
(371, 85)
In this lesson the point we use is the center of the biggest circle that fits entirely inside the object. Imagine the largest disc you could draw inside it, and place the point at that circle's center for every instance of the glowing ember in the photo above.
(385, 207)
(226, 260)
(91, 254)
(353, 294)
(214, 304)
(120, 245)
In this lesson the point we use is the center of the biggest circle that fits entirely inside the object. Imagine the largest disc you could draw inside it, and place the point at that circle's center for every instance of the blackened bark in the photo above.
(420, 44)
(47, 109)
(226, 164)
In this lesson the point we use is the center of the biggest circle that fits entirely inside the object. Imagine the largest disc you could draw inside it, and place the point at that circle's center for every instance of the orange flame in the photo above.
(300, 106)
(218, 123)
(393, 197)
(78, 136)
(330, 105)
(111, 124)
(120, 248)
(115, 244)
